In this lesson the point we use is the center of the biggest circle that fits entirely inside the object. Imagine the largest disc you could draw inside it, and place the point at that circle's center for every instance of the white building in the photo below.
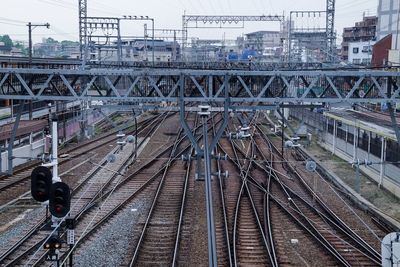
(360, 53)
(267, 43)
(135, 50)
(388, 21)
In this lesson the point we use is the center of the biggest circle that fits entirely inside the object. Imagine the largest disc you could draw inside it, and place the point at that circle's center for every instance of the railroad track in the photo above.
(290, 192)
(250, 245)
(140, 184)
(292, 204)
(83, 196)
(104, 125)
(267, 211)
(13, 186)
(121, 194)
(159, 237)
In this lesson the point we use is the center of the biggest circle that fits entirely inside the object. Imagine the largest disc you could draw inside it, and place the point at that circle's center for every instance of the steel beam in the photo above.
(302, 87)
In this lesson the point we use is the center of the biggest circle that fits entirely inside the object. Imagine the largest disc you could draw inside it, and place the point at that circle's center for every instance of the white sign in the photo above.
(52, 257)
(70, 237)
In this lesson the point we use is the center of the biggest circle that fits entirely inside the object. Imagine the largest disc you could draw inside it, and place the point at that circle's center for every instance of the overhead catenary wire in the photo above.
(63, 33)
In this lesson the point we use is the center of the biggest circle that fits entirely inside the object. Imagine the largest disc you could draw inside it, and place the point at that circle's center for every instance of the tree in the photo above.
(7, 41)
(51, 41)
(22, 47)
(69, 43)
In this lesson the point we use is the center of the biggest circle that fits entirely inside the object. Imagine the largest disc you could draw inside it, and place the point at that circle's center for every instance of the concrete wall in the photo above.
(30, 150)
(388, 21)
(38, 147)
(72, 127)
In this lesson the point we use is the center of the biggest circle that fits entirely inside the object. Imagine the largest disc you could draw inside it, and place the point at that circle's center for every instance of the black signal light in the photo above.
(60, 199)
(41, 180)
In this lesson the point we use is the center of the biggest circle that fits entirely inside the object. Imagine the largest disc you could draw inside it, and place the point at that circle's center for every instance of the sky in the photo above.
(63, 15)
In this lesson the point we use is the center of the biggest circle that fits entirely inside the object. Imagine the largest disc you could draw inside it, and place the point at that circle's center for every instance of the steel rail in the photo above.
(311, 224)
(131, 197)
(156, 196)
(42, 221)
(314, 233)
(336, 220)
(182, 209)
(15, 182)
(244, 175)
(221, 183)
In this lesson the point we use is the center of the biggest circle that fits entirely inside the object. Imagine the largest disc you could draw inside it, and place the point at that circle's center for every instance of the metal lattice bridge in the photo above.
(247, 88)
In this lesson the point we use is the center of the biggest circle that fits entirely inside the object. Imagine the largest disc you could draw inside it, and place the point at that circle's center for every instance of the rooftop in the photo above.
(376, 122)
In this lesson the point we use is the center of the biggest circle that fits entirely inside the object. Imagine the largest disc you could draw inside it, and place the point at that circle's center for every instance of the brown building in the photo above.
(380, 52)
(363, 31)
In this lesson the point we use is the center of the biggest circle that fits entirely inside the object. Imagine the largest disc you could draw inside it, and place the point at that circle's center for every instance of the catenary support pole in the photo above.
(212, 249)
(12, 137)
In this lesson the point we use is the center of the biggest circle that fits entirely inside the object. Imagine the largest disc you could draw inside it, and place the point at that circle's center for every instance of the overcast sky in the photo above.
(63, 14)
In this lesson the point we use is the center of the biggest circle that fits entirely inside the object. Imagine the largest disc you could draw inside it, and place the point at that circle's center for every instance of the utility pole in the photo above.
(174, 48)
(145, 41)
(31, 27)
(152, 37)
(283, 135)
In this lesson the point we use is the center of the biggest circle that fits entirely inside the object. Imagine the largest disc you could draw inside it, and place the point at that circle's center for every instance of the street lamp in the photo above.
(31, 27)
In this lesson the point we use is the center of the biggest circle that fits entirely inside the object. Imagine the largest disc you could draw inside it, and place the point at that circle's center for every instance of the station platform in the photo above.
(359, 137)
(377, 122)
(372, 196)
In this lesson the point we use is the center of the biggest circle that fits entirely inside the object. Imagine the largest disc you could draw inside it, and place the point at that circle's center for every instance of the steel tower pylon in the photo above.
(82, 25)
(330, 29)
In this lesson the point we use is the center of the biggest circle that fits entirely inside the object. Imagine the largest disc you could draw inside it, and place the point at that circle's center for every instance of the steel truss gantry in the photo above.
(220, 20)
(314, 36)
(330, 29)
(82, 25)
(229, 22)
(246, 88)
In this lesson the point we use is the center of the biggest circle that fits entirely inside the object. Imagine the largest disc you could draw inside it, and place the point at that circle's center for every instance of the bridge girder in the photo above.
(245, 87)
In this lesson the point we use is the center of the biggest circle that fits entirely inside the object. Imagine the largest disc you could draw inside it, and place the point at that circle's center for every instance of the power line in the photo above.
(57, 4)
(220, 6)
(183, 4)
(61, 32)
(13, 24)
(212, 6)
(230, 6)
(13, 20)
